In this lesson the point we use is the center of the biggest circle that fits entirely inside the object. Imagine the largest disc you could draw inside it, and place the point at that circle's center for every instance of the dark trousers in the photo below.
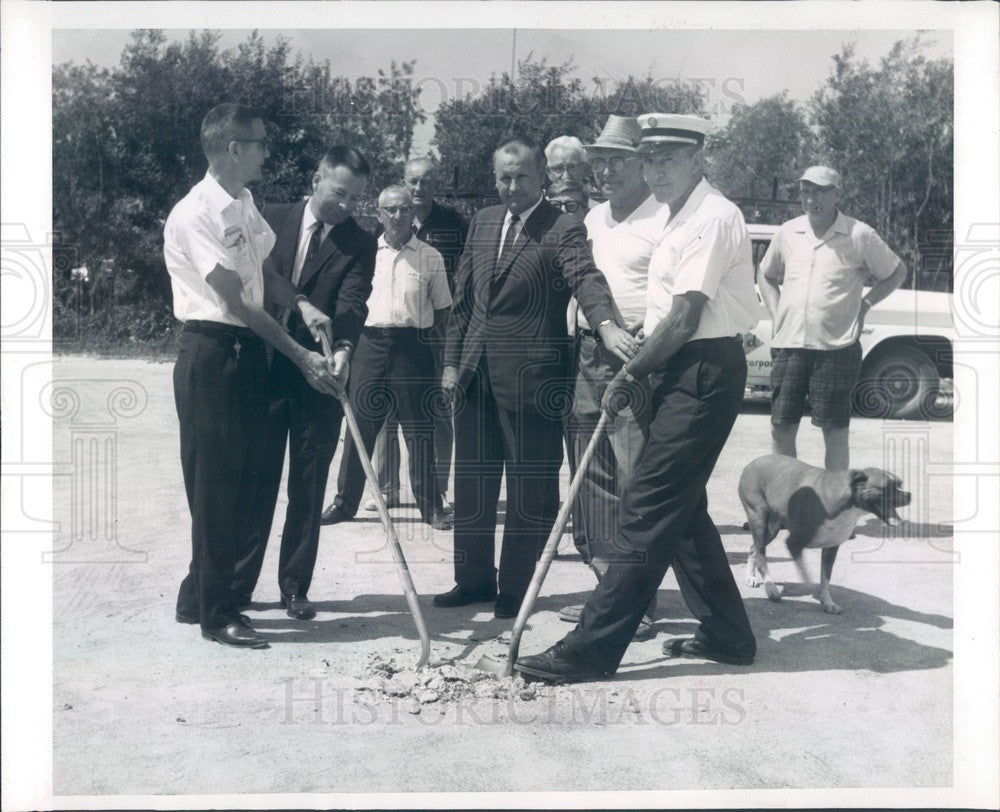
(664, 516)
(597, 503)
(393, 370)
(491, 441)
(307, 422)
(219, 392)
(386, 456)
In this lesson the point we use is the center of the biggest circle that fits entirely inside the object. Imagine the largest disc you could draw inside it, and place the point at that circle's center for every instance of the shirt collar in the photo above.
(410, 243)
(840, 225)
(524, 215)
(698, 194)
(219, 197)
(308, 218)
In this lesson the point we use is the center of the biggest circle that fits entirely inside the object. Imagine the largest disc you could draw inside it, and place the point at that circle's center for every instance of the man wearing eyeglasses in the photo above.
(623, 232)
(394, 363)
(569, 196)
(566, 160)
(214, 245)
(326, 260)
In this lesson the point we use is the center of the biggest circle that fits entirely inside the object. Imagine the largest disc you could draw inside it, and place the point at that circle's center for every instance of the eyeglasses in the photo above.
(392, 211)
(264, 143)
(611, 164)
(568, 206)
(559, 169)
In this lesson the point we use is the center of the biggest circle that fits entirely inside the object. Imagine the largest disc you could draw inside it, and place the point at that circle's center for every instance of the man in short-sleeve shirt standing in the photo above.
(700, 300)
(812, 280)
(394, 363)
(214, 244)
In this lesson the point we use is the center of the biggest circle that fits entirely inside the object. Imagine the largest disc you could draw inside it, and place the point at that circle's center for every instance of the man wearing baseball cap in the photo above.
(811, 280)
(700, 300)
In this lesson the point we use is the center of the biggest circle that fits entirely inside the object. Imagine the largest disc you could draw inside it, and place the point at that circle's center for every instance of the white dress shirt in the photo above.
(208, 227)
(507, 220)
(305, 235)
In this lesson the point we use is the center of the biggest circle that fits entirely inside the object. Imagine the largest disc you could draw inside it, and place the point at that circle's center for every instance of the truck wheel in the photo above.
(900, 383)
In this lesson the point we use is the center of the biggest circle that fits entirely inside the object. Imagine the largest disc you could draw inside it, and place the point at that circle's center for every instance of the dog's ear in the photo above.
(858, 478)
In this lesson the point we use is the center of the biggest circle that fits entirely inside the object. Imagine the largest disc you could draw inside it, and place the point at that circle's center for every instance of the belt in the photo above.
(588, 333)
(393, 331)
(218, 329)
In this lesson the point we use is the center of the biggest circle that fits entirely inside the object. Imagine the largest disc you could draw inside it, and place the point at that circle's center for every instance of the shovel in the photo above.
(493, 665)
(383, 512)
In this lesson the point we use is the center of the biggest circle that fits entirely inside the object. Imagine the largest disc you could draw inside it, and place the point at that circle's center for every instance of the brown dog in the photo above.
(819, 508)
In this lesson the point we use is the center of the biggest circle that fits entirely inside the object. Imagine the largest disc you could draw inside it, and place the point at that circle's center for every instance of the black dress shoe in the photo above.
(191, 620)
(463, 596)
(560, 665)
(692, 647)
(441, 522)
(298, 607)
(334, 515)
(506, 607)
(236, 634)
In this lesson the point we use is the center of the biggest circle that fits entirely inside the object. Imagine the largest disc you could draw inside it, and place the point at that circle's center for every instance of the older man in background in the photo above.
(566, 160)
(393, 362)
(623, 231)
(444, 229)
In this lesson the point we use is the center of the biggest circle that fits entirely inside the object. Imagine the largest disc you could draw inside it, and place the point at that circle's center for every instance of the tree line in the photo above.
(125, 149)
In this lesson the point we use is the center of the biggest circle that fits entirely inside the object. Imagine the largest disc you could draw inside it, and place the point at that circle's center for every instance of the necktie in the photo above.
(314, 242)
(508, 241)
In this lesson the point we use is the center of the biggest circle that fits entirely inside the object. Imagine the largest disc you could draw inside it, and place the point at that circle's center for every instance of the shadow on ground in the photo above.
(793, 635)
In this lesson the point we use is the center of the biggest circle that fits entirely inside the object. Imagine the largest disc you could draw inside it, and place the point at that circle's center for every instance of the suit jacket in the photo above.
(515, 315)
(339, 278)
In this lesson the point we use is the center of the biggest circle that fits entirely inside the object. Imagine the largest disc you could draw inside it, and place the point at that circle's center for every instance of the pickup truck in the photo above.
(906, 345)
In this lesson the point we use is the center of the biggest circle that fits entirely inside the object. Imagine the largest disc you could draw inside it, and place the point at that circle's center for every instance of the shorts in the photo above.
(827, 376)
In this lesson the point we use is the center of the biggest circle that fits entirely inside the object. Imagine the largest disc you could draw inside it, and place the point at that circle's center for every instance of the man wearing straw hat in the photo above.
(623, 232)
(701, 298)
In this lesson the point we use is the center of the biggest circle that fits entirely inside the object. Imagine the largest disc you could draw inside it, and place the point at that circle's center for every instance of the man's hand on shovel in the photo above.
(623, 391)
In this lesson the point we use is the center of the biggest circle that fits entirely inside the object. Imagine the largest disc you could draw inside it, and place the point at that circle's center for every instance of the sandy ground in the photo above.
(144, 705)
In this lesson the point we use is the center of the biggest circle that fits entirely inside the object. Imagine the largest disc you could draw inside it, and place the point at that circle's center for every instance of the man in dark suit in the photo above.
(507, 368)
(329, 260)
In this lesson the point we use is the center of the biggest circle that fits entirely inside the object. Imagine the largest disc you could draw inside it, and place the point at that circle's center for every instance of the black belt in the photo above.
(218, 329)
(393, 331)
(589, 333)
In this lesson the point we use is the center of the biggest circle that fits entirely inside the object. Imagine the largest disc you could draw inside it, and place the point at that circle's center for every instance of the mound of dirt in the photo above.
(440, 683)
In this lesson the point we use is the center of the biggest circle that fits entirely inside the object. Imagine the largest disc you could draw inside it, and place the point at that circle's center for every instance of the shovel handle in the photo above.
(383, 511)
(551, 545)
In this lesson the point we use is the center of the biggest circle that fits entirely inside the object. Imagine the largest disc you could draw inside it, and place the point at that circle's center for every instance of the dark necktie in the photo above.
(508, 241)
(314, 242)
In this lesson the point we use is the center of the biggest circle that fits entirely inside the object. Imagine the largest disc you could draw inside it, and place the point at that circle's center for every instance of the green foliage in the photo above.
(890, 131)
(543, 101)
(763, 148)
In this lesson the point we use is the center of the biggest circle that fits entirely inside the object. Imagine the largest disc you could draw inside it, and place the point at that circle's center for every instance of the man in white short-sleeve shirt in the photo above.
(394, 362)
(701, 295)
(215, 242)
(811, 280)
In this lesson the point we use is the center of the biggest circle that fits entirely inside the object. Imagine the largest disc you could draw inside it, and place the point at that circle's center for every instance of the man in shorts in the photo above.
(811, 280)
